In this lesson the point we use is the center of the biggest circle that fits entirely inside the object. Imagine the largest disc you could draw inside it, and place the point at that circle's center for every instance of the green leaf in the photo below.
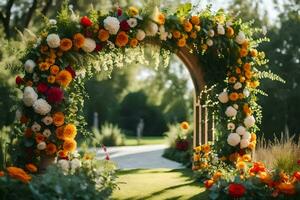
(184, 10)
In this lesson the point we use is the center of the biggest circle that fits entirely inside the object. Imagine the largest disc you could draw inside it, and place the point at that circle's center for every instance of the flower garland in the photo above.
(69, 47)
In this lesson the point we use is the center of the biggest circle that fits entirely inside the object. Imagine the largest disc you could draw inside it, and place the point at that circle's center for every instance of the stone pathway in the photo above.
(142, 157)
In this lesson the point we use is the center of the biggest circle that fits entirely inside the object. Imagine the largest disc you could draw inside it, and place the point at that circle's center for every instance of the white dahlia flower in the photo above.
(230, 111)
(220, 29)
(132, 22)
(244, 143)
(53, 40)
(41, 146)
(233, 139)
(89, 45)
(52, 22)
(35, 127)
(240, 38)
(209, 42)
(211, 33)
(241, 130)
(237, 86)
(29, 96)
(249, 121)
(75, 163)
(41, 107)
(223, 97)
(151, 29)
(230, 126)
(112, 24)
(29, 66)
(64, 164)
(246, 92)
(48, 120)
(140, 35)
(47, 133)
(247, 136)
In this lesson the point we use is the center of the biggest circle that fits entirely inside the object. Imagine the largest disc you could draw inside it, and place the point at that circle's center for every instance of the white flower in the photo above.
(151, 29)
(111, 45)
(209, 42)
(223, 97)
(231, 111)
(29, 66)
(41, 146)
(220, 29)
(240, 38)
(132, 22)
(233, 139)
(211, 33)
(163, 33)
(247, 136)
(241, 130)
(246, 92)
(89, 45)
(249, 121)
(53, 40)
(35, 127)
(112, 24)
(46, 132)
(52, 22)
(35, 77)
(230, 126)
(170, 35)
(18, 115)
(237, 85)
(75, 163)
(140, 35)
(41, 107)
(29, 96)
(47, 120)
(236, 106)
(244, 143)
(64, 164)
(229, 23)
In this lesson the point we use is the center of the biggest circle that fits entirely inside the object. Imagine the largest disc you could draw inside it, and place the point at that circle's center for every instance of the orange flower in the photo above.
(51, 149)
(161, 19)
(234, 96)
(2, 173)
(246, 109)
(50, 61)
(254, 84)
(195, 20)
(44, 66)
(238, 70)
(217, 175)
(54, 69)
(187, 26)
(176, 34)
(232, 79)
(58, 119)
(241, 165)
(70, 145)
(253, 52)
(59, 53)
(60, 132)
(248, 74)
(206, 148)
(247, 66)
(51, 79)
(252, 145)
(78, 40)
(208, 183)
(184, 125)
(39, 138)
(196, 157)
(229, 32)
(245, 45)
(62, 153)
(103, 35)
(122, 39)
(241, 96)
(70, 132)
(243, 52)
(19, 174)
(65, 44)
(193, 35)
(287, 188)
(134, 42)
(64, 78)
(31, 168)
(253, 137)
(247, 158)
(181, 42)
(242, 79)
(44, 49)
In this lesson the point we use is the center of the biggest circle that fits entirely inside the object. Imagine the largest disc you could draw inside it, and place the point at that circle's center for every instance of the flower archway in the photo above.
(216, 48)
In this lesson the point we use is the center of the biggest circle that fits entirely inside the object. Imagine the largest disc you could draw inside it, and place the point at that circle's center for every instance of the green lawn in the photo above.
(158, 184)
(131, 141)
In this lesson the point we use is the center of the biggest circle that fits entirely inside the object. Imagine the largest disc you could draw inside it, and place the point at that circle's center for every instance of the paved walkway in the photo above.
(142, 157)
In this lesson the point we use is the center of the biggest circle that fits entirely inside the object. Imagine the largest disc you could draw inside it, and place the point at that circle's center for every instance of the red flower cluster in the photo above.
(124, 26)
(236, 190)
(119, 12)
(182, 145)
(258, 167)
(55, 95)
(42, 88)
(19, 80)
(85, 21)
(297, 175)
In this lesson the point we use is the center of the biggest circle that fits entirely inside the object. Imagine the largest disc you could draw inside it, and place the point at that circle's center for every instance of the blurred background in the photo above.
(141, 96)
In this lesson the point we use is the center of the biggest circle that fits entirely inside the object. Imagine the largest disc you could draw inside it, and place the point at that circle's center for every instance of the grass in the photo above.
(158, 184)
(132, 141)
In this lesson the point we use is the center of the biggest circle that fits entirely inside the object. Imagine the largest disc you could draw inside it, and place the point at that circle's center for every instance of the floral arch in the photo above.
(216, 48)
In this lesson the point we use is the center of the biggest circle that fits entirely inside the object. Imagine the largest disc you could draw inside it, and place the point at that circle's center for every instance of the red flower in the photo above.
(42, 88)
(236, 190)
(71, 70)
(19, 80)
(85, 21)
(208, 183)
(298, 162)
(297, 175)
(124, 25)
(55, 95)
(119, 12)
(98, 47)
(182, 145)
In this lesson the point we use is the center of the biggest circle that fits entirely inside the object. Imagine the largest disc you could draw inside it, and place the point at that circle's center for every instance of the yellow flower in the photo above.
(70, 145)
(51, 79)
(184, 125)
(195, 20)
(58, 119)
(198, 149)
(247, 158)
(187, 26)
(241, 165)
(64, 78)
(70, 132)
(44, 66)
(133, 11)
(181, 42)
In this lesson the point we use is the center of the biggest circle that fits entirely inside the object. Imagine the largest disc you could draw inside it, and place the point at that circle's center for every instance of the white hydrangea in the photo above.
(223, 97)
(64, 164)
(53, 40)
(230, 126)
(75, 163)
(89, 45)
(35, 127)
(249, 121)
(209, 42)
(140, 35)
(240, 38)
(48, 120)
(241, 130)
(41, 107)
(244, 143)
(29, 96)
(230, 111)
(112, 24)
(211, 33)
(132, 22)
(233, 139)
(246, 92)
(151, 29)
(220, 29)
(47, 133)
(247, 136)
(237, 86)
(41, 146)
(29, 66)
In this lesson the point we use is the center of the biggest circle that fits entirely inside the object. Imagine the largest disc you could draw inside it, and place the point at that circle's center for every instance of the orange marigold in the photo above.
(206, 148)
(247, 66)
(229, 32)
(44, 49)
(243, 52)
(193, 35)
(31, 168)
(51, 149)
(253, 52)
(65, 44)
(253, 137)
(78, 40)
(19, 174)
(103, 35)
(60, 132)
(122, 39)
(39, 138)
(246, 109)
(70, 145)
(58, 119)
(184, 125)
(64, 78)
(233, 96)
(51, 79)
(134, 42)
(232, 79)
(248, 74)
(54, 69)
(43, 66)
(195, 20)
(187, 26)
(176, 34)
(70, 131)
(246, 157)
(161, 19)
(181, 42)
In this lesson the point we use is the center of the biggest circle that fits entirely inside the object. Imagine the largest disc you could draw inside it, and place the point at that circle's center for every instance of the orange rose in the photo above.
(206, 148)
(70, 145)
(252, 145)
(58, 119)
(238, 70)
(50, 61)
(51, 149)
(64, 78)
(103, 35)
(181, 42)
(195, 20)
(43, 66)
(243, 52)
(134, 42)
(60, 132)
(187, 26)
(176, 34)
(229, 32)
(248, 74)
(65, 44)
(242, 79)
(234, 96)
(122, 39)
(70, 132)
(51, 79)
(31, 168)
(78, 40)
(246, 109)
(54, 69)
(19, 174)
(39, 138)
(196, 157)
(245, 45)
(247, 67)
